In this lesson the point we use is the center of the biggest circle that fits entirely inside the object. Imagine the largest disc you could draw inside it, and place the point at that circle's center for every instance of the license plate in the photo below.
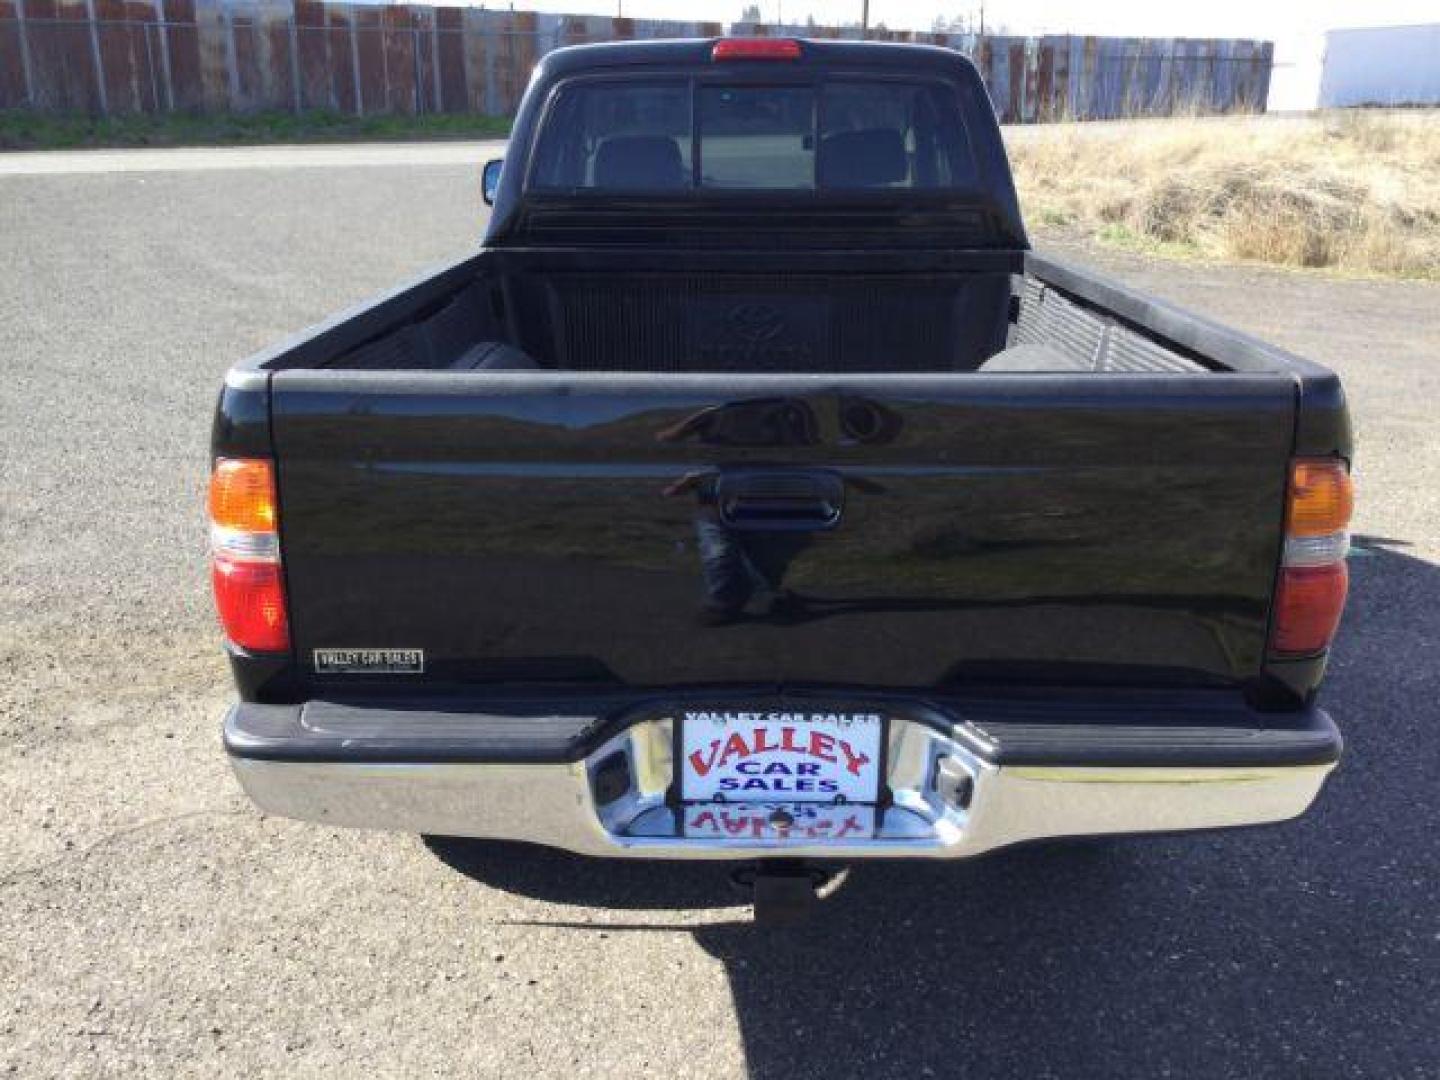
(778, 756)
(779, 821)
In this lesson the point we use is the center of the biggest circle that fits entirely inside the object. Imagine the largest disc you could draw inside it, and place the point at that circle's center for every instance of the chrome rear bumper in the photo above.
(949, 799)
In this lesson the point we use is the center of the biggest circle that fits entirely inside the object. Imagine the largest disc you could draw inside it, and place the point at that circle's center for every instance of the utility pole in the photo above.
(864, 19)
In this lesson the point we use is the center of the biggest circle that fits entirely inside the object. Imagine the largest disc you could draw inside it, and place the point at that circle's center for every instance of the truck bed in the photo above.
(539, 311)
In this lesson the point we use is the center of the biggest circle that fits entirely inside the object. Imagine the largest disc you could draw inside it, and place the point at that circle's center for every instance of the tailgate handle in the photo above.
(789, 499)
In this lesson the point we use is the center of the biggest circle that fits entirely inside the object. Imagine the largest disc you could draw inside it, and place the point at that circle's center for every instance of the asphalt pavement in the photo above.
(153, 923)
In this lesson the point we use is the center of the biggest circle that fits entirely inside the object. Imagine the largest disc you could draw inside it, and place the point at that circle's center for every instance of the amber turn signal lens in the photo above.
(242, 495)
(1322, 497)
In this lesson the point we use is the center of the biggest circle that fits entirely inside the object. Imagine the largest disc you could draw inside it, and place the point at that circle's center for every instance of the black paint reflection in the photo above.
(741, 565)
(976, 535)
(756, 422)
(753, 522)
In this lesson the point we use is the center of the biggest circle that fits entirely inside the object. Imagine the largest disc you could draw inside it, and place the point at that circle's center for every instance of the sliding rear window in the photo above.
(677, 137)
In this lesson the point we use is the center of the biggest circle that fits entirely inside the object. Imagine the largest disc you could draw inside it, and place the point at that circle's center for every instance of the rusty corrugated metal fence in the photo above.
(156, 56)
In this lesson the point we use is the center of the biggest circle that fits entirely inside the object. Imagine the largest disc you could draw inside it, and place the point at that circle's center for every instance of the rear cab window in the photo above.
(683, 136)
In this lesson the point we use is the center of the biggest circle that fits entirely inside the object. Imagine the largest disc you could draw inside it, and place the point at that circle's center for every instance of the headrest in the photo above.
(873, 157)
(639, 163)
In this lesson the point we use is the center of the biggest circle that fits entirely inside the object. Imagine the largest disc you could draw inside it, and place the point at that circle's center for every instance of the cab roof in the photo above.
(686, 52)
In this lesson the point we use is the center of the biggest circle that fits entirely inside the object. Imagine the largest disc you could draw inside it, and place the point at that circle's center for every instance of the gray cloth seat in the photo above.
(872, 157)
(639, 163)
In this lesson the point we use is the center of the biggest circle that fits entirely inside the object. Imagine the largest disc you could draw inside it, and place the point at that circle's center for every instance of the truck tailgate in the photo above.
(901, 531)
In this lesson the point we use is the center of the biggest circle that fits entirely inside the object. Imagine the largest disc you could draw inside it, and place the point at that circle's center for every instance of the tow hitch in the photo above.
(784, 891)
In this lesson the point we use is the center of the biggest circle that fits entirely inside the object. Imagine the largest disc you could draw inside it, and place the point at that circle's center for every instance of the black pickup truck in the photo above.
(754, 492)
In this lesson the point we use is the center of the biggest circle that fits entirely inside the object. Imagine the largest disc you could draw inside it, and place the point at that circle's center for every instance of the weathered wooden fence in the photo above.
(156, 56)
(1069, 77)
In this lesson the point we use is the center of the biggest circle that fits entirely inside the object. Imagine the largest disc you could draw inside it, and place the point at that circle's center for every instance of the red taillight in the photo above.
(245, 554)
(251, 600)
(1308, 603)
(1310, 591)
(756, 49)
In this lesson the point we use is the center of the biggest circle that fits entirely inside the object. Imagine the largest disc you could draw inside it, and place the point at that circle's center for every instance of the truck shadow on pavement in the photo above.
(1308, 948)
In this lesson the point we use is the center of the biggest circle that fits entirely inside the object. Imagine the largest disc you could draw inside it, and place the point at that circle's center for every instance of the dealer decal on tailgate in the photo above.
(790, 756)
(369, 661)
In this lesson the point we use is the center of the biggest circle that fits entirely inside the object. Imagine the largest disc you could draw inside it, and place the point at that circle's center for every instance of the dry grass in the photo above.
(1355, 191)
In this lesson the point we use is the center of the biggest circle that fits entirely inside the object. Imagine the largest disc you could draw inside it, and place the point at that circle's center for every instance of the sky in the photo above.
(1296, 26)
